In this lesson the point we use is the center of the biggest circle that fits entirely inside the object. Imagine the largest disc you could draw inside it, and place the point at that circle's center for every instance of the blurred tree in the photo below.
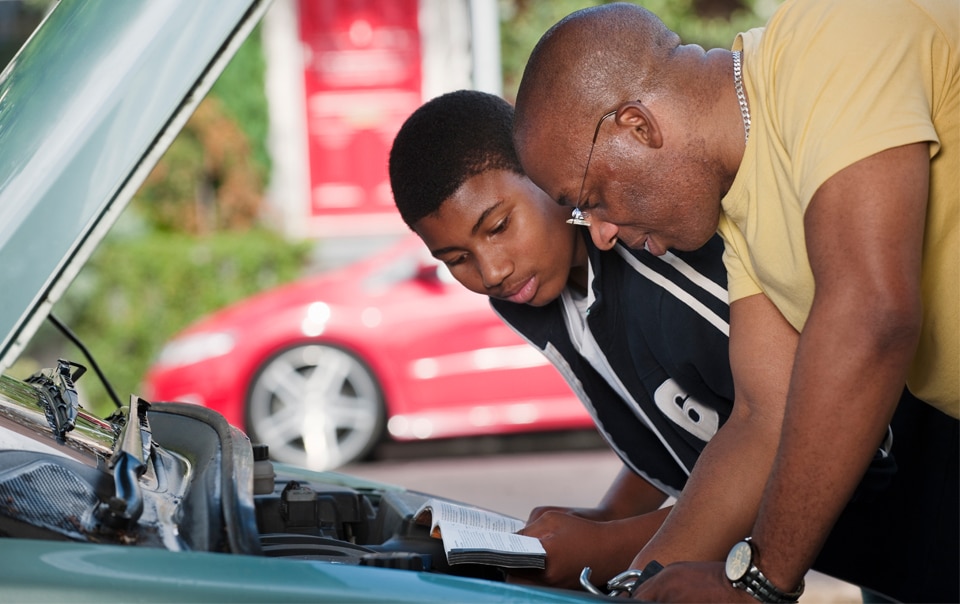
(243, 94)
(207, 181)
(709, 23)
(213, 175)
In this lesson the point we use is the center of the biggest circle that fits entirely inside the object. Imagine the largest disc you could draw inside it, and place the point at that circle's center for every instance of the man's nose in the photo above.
(604, 234)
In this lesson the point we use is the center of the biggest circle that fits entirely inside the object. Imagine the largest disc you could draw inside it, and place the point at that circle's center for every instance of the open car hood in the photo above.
(83, 120)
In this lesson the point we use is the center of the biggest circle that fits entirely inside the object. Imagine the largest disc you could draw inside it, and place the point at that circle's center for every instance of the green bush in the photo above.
(136, 292)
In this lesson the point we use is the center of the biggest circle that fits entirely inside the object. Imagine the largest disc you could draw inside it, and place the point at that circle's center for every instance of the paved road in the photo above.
(513, 475)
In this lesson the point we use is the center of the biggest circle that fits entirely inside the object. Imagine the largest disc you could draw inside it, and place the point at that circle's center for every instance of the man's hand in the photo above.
(691, 582)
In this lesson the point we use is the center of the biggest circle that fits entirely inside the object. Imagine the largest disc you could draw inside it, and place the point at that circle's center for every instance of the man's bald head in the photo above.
(616, 118)
(591, 61)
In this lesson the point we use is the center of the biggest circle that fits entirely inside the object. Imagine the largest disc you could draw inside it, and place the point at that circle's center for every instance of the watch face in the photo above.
(738, 561)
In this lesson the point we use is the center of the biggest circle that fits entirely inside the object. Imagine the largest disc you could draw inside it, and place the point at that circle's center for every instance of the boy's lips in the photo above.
(526, 292)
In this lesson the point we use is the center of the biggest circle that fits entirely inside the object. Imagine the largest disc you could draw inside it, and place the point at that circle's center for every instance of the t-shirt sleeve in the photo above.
(741, 282)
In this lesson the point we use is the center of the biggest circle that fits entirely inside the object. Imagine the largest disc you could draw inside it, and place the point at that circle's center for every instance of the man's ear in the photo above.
(643, 125)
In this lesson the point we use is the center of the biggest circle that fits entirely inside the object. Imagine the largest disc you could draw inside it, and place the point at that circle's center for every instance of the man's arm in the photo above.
(864, 232)
(718, 505)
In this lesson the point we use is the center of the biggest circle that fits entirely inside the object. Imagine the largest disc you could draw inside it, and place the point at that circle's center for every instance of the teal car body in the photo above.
(158, 502)
(100, 574)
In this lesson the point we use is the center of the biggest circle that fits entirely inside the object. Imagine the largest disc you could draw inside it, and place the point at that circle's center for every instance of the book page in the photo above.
(444, 512)
(480, 536)
(460, 537)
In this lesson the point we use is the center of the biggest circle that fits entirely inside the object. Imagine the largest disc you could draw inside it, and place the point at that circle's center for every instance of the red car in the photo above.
(323, 368)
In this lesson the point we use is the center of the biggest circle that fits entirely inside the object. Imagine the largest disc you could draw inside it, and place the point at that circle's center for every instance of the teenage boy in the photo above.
(642, 340)
(656, 381)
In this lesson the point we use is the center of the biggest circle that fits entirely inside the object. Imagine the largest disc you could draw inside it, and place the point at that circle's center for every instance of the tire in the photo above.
(315, 406)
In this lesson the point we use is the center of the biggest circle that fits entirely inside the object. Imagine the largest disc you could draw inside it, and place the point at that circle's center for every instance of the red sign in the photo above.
(362, 79)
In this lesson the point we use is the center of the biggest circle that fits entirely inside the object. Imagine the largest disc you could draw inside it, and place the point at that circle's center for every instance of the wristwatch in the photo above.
(743, 573)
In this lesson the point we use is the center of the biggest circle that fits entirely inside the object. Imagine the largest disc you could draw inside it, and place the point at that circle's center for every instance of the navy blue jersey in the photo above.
(651, 362)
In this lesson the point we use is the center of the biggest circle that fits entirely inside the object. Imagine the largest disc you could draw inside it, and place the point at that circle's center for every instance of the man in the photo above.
(825, 151)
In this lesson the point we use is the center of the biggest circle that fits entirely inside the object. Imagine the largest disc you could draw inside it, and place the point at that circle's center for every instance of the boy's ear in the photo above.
(642, 123)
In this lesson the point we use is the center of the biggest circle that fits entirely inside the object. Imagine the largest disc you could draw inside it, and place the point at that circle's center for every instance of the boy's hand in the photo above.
(571, 542)
(596, 514)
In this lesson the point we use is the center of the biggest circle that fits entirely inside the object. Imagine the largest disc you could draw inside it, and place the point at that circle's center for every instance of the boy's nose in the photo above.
(494, 271)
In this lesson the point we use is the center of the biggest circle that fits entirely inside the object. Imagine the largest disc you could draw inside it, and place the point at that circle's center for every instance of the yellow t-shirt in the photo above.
(830, 83)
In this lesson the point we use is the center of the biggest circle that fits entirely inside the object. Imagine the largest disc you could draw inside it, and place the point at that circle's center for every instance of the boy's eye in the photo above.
(455, 261)
(500, 226)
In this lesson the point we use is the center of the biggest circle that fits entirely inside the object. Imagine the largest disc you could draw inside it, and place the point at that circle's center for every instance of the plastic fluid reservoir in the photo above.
(263, 474)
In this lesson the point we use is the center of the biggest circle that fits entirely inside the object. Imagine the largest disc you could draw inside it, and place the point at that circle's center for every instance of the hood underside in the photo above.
(87, 108)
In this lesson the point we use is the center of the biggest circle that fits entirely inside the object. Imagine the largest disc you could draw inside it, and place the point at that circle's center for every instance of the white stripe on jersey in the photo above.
(718, 292)
(573, 380)
(677, 291)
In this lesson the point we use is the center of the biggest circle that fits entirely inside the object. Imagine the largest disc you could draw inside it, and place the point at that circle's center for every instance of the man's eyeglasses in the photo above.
(578, 216)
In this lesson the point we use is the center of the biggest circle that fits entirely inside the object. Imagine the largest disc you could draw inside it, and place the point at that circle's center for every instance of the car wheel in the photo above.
(315, 406)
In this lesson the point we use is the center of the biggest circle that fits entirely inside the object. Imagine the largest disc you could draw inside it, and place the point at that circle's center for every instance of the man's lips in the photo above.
(526, 292)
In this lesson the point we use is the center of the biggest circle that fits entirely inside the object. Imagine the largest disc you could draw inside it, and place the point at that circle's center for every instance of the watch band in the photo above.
(755, 583)
(758, 586)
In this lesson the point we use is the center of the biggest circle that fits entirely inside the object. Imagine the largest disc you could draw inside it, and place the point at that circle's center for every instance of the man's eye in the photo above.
(500, 226)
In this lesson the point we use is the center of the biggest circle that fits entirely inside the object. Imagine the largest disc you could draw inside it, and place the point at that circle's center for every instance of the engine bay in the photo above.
(179, 477)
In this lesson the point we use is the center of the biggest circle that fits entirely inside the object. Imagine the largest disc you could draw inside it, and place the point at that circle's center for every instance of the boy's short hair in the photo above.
(446, 141)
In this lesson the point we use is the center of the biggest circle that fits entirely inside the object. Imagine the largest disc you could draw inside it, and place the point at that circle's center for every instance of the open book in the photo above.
(480, 536)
